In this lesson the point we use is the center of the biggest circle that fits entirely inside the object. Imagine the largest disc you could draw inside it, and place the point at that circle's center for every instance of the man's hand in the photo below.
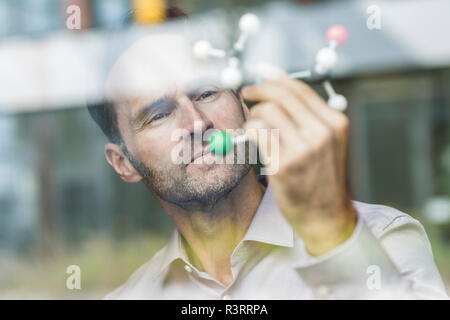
(310, 186)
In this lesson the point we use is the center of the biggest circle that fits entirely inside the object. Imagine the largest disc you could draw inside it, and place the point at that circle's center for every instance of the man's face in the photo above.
(147, 122)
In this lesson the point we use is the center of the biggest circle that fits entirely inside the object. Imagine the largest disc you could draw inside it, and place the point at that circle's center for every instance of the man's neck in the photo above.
(211, 237)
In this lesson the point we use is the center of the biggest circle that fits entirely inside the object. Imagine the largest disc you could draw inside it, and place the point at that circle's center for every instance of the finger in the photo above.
(312, 129)
(284, 97)
(320, 107)
(274, 115)
(253, 128)
(337, 123)
(268, 149)
(317, 105)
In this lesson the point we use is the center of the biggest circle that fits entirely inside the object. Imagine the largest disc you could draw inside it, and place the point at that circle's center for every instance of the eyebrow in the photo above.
(192, 90)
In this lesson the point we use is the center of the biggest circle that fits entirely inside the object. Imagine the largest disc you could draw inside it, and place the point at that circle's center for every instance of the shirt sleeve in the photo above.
(398, 264)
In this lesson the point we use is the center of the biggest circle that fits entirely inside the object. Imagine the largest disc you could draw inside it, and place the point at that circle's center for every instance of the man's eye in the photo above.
(206, 95)
(160, 116)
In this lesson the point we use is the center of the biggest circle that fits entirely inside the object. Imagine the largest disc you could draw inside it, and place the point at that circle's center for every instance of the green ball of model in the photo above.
(220, 143)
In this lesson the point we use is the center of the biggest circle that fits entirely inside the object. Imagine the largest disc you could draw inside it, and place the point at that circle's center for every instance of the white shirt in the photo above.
(387, 256)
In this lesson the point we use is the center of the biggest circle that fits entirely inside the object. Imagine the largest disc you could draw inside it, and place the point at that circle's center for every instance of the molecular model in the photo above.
(326, 58)
(232, 76)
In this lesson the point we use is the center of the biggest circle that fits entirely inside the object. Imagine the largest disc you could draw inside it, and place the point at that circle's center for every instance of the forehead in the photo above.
(155, 66)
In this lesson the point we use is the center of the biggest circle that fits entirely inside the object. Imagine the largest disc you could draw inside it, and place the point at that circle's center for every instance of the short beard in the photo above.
(190, 193)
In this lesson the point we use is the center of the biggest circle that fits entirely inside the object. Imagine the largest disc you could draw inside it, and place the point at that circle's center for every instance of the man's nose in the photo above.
(192, 119)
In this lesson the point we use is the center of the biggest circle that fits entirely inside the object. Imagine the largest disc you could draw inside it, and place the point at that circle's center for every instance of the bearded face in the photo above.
(158, 88)
(203, 178)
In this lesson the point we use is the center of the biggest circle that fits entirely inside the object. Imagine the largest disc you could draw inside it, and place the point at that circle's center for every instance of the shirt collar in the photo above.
(268, 226)
(174, 250)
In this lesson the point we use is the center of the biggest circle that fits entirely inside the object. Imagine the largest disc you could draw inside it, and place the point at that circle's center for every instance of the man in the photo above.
(299, 237)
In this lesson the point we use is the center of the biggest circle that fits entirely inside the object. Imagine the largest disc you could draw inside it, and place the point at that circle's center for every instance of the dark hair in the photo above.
(105, 115)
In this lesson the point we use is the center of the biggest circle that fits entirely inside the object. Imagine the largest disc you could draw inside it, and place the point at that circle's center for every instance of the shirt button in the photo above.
(226, 297)
(187, 268)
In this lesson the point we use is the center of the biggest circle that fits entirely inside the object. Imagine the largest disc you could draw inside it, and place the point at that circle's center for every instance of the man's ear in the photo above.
(119, 161)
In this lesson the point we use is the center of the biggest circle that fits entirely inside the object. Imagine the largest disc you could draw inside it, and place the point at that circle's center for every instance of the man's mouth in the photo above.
(206, 150)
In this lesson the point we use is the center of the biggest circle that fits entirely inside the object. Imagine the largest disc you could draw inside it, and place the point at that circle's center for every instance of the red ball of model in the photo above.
(337, 33)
